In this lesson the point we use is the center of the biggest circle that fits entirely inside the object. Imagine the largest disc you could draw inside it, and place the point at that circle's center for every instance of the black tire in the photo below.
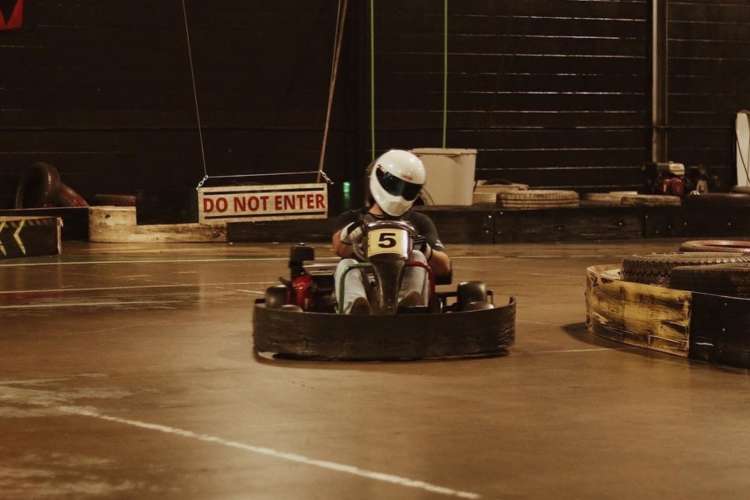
(477, 305)
(720, 279)
(117, 200)
(470, 291)
(657, 268)
(717, 200)
(38, 186)
(276, 296)
(735, 246)
(291, 308)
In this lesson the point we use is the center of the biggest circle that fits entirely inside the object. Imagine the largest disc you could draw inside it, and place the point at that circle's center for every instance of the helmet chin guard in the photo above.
(396, 179)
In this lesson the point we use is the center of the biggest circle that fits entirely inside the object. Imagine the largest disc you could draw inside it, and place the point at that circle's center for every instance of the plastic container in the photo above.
(450, 175)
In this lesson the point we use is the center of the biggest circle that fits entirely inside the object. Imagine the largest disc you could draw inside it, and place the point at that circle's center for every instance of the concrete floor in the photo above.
(126, 371)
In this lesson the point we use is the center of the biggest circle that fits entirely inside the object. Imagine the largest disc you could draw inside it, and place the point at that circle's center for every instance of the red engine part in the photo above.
(302, 291)
(674, 186)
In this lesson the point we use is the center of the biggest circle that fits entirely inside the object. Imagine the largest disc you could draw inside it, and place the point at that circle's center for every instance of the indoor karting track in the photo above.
(127, 372)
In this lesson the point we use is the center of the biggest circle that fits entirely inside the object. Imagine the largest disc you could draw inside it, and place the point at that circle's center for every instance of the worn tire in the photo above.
(720, 279)
(600, 200)
(741, 246)
(650, 200)
(536, 199)
(276, 296)
(38, 186)
(484, 198)
(657, 268)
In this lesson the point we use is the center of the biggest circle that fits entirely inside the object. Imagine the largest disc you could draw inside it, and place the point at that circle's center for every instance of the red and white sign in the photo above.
(258, 203)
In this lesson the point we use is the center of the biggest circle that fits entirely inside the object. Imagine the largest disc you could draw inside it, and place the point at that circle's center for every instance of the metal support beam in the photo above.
(659, 75)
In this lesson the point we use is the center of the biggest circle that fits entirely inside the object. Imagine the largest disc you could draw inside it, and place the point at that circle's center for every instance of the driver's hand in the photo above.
(351, 233)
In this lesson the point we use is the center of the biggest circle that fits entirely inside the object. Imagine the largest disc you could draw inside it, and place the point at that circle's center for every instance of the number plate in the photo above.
(395, 241)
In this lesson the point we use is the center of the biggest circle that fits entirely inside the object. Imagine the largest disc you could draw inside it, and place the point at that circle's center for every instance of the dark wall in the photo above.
(709, 80)
(555, 93)
(552, 92)
(103, 91)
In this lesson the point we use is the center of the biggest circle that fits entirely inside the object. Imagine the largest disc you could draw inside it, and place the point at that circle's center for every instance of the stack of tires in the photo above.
(718, 267)
(629, 199)
(486, 192)
(537, 199)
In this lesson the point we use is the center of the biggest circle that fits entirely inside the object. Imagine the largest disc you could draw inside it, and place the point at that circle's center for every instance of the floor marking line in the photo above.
(131, 287)
(563, 351)
(153, 261)
(88, 304)
(292, 457)
(254, 292)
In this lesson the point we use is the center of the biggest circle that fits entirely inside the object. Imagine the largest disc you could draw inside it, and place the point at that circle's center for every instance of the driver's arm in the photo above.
(340, 248)
(440, 263)
(343, 239)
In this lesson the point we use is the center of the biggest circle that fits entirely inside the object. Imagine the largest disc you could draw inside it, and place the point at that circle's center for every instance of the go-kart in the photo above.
(302, 318)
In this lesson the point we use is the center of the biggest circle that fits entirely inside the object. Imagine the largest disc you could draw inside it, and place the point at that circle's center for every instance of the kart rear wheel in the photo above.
(276, 296)
(470, 291)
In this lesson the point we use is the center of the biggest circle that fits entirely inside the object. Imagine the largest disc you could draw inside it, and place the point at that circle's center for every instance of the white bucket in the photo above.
(450, 175)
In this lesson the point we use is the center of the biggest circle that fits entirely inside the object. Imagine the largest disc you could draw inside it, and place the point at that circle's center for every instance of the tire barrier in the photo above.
(717, 200)
(690, 324)
(534, 199)
(657, 268)
(650, 200)
(600, 200)
(719, 279)
(742, 246)
(486, 194)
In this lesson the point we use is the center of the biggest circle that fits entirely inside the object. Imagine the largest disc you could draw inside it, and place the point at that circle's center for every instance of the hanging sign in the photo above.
(12, 19)
(262, 203)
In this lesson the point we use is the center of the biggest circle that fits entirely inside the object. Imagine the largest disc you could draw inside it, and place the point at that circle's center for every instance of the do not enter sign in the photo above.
(269, 202)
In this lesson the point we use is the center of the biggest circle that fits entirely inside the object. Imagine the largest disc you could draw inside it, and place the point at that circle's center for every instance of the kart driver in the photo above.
(396, 178)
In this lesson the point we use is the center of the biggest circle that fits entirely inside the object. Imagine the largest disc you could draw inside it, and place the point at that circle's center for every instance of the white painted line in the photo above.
(153, 261)
(254, 292)
(291, 457)
(565, 351)
(88, 304)
(130, 287)
(480, 257)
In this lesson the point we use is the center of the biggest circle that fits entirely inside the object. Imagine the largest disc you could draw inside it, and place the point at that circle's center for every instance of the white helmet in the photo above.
(396, 179)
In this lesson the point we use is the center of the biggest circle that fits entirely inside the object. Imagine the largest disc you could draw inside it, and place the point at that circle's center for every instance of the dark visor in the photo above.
(396, 186)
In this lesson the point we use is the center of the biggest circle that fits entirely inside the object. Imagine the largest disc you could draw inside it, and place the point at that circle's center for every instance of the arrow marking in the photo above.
(2, 248)
(17, 237)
